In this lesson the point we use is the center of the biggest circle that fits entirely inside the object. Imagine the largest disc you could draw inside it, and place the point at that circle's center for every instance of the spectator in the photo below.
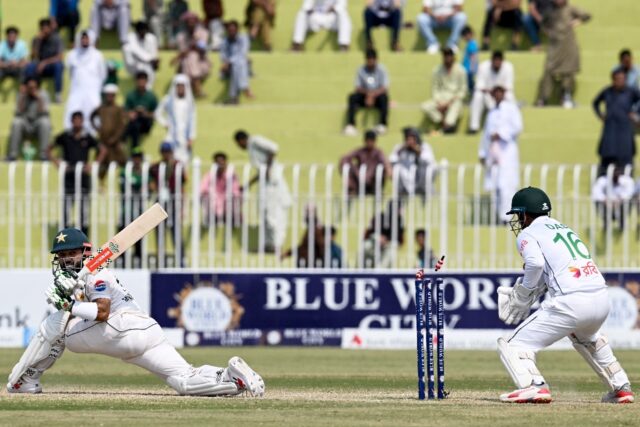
(141, 52)
(372, 85)
(65, 14)
(87, 72)
(154, 18)
(505, 14)
(76, 144)
(370, 157)
(499, 149)
(383, 235)
(533, 20)
(413, 158)
(470, 60)
(612, 197)
(213, 13)
(177, 114)
(221, 193)
(235, 63)
(132, 201)
(13, 55)
(192, 57)
(335, 250)
(176, 10)
(111, 15)
(277, 198)
(169, 188)
(631, 72)
(563, 53)
(441, 14)
(491, 73)
(261, 16)
(448, 90)
(46, 57)
(31, 119)
(304, 259)
(387, 13)
(140, 106)
(316, 15)
(110, 120)
(425, 259)
(617, 142)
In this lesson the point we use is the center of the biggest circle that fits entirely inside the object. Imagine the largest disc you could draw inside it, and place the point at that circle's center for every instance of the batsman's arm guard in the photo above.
(39, 350)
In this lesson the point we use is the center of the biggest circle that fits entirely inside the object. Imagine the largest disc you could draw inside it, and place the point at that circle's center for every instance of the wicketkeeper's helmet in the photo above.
(530, 200)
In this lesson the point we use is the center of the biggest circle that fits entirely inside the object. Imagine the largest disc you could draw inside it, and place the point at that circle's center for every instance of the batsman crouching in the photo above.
(100, 316)
(558, 262)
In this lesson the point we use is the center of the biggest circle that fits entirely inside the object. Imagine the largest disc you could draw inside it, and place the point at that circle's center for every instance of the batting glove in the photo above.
(67, 282)
(57, 298)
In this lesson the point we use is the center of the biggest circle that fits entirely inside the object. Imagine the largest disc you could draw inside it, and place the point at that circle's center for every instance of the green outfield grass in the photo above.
(316, 386)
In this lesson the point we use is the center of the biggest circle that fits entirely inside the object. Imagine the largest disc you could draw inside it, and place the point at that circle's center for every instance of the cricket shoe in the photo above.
(245, 378)
(28, 383)
(620, 395)
(531, 394)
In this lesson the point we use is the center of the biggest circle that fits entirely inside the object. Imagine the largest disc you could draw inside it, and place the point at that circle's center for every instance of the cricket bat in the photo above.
(122, 241)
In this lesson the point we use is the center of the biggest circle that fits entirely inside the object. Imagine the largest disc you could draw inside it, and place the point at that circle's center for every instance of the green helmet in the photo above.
(530, 200)
(70, 238)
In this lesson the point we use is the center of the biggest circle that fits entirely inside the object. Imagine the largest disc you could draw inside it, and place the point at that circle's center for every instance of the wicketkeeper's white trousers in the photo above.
(581, 314)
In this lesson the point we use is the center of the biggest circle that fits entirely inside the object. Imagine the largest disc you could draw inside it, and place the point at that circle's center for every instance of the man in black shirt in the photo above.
(75, 145)
(617, 141)
(47, 51)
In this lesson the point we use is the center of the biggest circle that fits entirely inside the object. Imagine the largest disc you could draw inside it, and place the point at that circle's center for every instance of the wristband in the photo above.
(85, 310)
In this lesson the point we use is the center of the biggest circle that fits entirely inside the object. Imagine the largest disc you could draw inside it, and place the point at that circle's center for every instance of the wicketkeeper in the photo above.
(100, 316)
(558, 262)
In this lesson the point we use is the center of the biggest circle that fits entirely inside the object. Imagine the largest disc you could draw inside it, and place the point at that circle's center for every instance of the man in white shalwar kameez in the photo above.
(499, 151)
(87, 71)
(316, 15)
(141, 52)
(276, 195)
(177, 113)
(492, 72)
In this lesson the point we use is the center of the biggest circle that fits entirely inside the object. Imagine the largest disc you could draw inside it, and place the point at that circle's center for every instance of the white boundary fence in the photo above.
(460, 218)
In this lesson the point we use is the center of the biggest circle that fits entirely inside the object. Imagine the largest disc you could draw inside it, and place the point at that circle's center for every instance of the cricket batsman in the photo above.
(100, 316)
(558, 262)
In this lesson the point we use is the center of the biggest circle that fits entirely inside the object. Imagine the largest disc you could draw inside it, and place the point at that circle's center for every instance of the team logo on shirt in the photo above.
(100, 286)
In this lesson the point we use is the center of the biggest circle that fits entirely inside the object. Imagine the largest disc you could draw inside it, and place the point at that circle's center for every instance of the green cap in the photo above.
(530, 200)
(69, 238)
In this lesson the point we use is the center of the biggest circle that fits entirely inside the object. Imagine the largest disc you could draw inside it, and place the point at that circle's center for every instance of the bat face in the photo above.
(124, 239)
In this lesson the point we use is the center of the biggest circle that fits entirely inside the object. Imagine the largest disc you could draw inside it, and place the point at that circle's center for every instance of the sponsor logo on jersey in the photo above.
(100, 286)
(575, 272)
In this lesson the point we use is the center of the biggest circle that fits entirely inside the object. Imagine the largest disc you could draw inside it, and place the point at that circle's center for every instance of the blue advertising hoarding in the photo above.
(309, 308)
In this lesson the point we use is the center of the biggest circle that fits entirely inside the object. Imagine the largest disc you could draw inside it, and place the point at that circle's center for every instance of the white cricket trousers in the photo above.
(316, 21)
(579, 313)
(133, 337)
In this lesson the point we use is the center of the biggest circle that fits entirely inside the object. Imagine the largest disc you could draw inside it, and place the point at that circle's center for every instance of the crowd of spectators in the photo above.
(94, 120)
